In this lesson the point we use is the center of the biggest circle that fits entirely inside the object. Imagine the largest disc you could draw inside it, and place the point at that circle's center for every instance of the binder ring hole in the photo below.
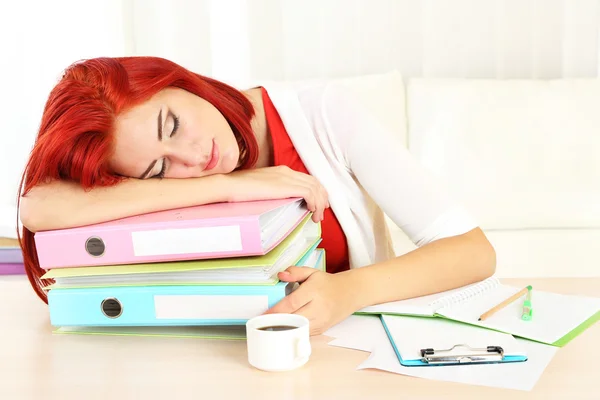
(95, 246)
(111, 308)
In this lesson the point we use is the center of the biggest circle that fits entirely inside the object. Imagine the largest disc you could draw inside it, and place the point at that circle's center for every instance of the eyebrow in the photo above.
(159, 128)
(159, 123)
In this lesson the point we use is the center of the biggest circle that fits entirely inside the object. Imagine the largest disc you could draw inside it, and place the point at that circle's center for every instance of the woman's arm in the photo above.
(435, 267)
(326, 299)
(62, 204)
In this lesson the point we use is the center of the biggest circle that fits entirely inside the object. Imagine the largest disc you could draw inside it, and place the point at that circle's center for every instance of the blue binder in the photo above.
(166, 305)
(163, 305)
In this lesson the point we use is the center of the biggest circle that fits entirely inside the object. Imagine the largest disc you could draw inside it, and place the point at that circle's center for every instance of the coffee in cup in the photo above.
(278, 342)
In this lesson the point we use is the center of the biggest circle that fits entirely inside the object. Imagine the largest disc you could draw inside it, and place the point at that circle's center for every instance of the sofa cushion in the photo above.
(535, 252)
(519, 153)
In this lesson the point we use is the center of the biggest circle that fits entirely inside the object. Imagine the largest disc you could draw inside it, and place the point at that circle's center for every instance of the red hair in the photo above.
(75, 138)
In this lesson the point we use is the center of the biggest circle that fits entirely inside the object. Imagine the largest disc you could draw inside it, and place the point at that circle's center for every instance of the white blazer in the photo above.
(366, 170)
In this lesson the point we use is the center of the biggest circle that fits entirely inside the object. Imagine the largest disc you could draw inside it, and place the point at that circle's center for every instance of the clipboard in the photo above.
(401, 331)
(465, 354)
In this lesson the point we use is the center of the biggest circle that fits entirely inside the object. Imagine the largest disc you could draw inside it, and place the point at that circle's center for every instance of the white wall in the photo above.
(240, 41)
(430, 38)
(39, 39)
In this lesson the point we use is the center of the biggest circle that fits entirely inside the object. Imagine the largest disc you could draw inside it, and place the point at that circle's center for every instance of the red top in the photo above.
(284, 153)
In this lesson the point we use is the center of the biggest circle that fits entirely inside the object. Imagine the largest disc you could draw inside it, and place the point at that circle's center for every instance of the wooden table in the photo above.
(35, 364)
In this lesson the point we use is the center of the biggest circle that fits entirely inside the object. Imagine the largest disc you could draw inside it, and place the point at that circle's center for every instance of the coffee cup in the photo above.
(278, 342)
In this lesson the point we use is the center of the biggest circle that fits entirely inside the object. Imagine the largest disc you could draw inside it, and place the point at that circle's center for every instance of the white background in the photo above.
(241, 41)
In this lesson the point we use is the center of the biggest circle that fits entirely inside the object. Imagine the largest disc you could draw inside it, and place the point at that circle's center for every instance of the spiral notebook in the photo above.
(557, 318)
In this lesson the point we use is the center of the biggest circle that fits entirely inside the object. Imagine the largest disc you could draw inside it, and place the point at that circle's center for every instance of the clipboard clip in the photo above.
(468, 355)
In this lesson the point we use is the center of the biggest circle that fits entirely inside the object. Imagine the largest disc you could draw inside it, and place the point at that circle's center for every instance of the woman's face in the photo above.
(175, 134)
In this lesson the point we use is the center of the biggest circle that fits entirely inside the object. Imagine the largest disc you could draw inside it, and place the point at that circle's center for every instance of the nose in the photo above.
(188, 154)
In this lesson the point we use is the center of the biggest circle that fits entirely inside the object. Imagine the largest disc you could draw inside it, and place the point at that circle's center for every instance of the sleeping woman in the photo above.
(127, 136)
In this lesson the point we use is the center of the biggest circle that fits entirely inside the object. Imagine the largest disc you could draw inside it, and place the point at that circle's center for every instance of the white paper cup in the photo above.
(278, 350)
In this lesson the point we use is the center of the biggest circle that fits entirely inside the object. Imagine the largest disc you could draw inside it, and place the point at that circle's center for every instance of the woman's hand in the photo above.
(277, 183)
(325, 299)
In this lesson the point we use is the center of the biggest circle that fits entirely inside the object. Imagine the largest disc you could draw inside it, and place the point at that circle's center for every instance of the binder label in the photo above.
(187, 240)
(209, 306)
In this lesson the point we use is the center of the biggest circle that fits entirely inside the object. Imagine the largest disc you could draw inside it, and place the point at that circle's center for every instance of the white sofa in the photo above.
(523, 155)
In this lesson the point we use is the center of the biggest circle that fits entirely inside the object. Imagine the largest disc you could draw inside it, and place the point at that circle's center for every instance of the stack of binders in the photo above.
(11, 257)
(209, 265)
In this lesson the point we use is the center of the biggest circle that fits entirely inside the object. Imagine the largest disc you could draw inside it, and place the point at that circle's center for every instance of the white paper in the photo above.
(355, 325)
(366, 333)
(518, 376)
(209, 306)
(187, 240)
(358, 332)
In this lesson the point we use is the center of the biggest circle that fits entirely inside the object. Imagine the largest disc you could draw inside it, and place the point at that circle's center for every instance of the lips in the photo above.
(214, 157)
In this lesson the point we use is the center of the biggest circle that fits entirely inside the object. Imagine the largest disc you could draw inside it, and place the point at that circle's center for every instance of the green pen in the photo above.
(527, 307)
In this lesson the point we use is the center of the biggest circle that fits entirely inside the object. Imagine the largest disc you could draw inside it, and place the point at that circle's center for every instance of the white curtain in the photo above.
(242, 41)
(39, 39)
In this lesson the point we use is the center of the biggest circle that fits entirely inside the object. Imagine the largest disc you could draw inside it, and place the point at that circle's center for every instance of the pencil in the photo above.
(506, 302)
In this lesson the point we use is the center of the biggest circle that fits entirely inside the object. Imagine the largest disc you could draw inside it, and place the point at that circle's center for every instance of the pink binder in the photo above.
(208, 231)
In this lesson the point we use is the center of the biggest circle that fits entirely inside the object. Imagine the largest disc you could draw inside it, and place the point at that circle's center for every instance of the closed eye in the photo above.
(161, 174)
(175, 123)
(163, 168)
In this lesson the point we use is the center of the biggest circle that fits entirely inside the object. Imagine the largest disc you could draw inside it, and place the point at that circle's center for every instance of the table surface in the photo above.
(36, 364)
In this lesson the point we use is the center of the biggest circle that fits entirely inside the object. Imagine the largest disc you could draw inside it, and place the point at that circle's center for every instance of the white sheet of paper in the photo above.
(366, 333)
(358, 332)
(518, 376)
(359, 327)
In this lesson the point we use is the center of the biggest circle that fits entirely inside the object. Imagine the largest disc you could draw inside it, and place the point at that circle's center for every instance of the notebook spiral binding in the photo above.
(468, 293)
